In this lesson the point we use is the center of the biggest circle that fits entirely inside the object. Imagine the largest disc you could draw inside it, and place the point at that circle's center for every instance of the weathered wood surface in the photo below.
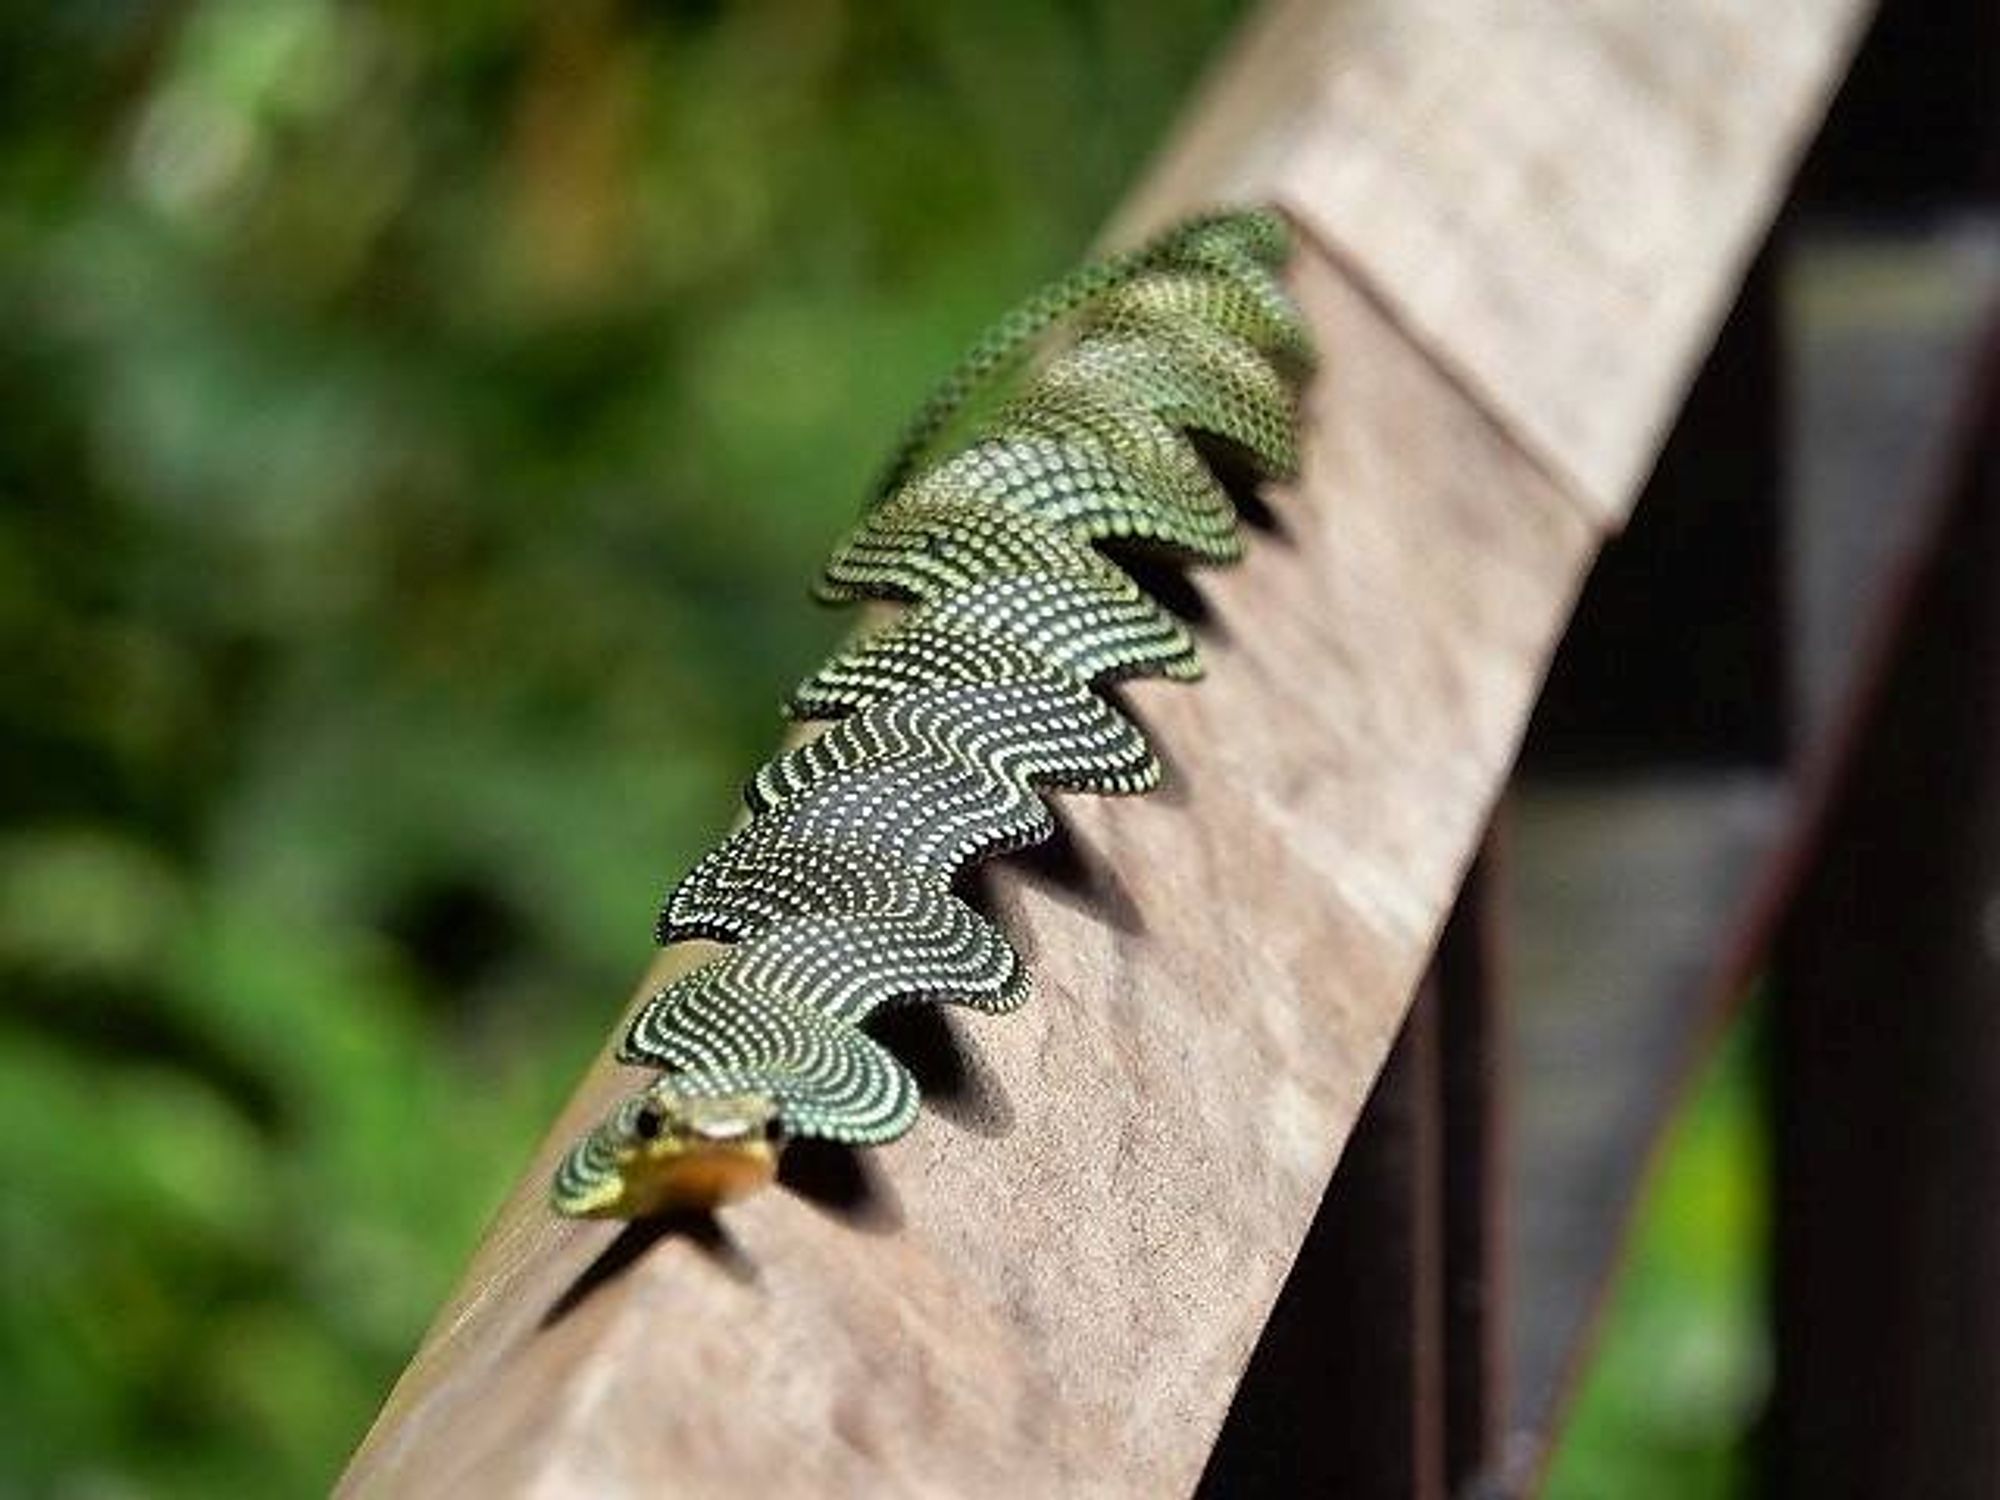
(1055, 1280)
(1555, 198)
(1378, 1373)
(1065, 1302)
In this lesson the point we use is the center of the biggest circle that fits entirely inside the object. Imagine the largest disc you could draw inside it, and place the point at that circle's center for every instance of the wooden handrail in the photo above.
(1522, 225)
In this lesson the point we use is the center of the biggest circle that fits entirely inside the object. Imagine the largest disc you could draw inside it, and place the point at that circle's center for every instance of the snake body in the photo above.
(946, 728)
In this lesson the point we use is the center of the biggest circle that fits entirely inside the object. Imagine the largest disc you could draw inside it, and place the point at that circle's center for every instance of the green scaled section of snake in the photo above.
(949, 725)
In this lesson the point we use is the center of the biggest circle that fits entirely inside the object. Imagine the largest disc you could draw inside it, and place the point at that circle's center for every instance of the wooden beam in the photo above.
(1073, 1284)
(1645, 897)
(1556, 200)
(1887, 1050)
(1378, 1372)
(1054, 1282)
(1648, 808)
(1344, 1394)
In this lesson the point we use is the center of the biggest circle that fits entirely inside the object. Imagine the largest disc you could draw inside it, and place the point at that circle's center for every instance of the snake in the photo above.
(1088, 427)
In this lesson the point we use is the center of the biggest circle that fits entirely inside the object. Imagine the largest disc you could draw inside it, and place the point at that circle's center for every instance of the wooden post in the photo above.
(1379, 1371)
(1521, 226)
(1887, 1067)
(1649, 813)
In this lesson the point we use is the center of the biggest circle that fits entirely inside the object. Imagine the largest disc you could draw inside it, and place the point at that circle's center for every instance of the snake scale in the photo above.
(998, 531)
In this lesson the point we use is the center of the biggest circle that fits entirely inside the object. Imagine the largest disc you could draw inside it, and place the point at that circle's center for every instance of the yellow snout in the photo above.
(659, 1151)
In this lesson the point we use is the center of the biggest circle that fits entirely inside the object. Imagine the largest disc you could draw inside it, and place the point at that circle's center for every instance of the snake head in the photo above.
(660, 1150)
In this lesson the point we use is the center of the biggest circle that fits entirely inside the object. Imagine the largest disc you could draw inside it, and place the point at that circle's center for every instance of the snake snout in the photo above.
(659, 1151)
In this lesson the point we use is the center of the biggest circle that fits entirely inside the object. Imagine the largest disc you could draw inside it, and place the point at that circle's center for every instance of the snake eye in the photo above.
(648, 1123)
(774, 1130)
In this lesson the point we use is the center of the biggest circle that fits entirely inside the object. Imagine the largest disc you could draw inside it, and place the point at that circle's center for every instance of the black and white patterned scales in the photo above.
(949, 724)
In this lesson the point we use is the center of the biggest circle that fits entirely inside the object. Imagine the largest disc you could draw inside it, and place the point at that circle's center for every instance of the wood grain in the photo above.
(1556, 198)
(1052, 1285)
(1061, 1298)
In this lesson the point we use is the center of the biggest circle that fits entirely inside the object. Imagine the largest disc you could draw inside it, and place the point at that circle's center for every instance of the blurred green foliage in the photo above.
(420, 424)
(1670, 1404)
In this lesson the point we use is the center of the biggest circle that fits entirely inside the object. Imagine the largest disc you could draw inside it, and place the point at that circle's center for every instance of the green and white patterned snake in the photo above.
(950, 723)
